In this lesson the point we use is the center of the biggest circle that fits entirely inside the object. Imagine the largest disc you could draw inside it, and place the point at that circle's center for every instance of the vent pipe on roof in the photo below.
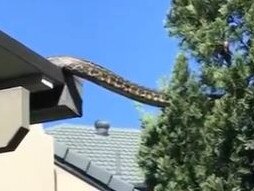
(101, 127)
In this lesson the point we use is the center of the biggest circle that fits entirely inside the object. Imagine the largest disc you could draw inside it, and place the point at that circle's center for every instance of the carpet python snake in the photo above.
(103, 77)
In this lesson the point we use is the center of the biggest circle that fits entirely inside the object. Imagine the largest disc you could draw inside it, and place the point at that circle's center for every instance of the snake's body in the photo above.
(109, 80)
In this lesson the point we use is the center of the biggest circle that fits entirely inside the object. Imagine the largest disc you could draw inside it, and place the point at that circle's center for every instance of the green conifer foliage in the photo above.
(171, 144)
(199, 143)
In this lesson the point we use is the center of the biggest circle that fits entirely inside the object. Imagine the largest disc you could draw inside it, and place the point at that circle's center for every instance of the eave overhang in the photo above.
(53, 93)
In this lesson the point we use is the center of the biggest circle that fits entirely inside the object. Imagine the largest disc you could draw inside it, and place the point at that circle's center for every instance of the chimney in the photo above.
(101, 127)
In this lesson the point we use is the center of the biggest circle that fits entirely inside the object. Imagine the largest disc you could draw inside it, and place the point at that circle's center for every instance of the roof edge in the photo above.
(83, 168)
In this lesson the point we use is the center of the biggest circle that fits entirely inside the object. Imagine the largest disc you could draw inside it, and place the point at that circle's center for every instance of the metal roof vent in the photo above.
(101, 127)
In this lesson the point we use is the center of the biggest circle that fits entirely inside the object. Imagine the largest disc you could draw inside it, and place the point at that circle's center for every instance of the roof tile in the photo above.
(99, 173)
(77, 160)
(115, 153)
(118, 184)
(60, 150)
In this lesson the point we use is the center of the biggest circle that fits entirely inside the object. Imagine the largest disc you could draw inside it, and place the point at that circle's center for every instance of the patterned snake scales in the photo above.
(109, 80)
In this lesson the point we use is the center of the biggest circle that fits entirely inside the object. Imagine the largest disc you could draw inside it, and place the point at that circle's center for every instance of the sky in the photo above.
(127, 37)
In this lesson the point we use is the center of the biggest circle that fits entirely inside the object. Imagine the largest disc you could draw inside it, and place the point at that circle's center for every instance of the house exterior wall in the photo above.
(66, 182)
(31, 167)
(14, 112)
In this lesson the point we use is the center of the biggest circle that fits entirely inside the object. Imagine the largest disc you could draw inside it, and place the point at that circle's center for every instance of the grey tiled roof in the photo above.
(115, 153)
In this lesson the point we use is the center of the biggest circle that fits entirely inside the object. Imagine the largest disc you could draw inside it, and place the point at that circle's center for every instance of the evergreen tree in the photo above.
(218, 34)
(171, 145)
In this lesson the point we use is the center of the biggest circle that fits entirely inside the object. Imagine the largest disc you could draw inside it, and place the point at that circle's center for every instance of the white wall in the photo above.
(31, 166)
(68, 182)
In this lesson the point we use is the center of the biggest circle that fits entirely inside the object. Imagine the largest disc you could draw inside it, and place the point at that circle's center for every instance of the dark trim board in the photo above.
(15, 141)
(53, 93)
(37, 63)
(59, 103)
